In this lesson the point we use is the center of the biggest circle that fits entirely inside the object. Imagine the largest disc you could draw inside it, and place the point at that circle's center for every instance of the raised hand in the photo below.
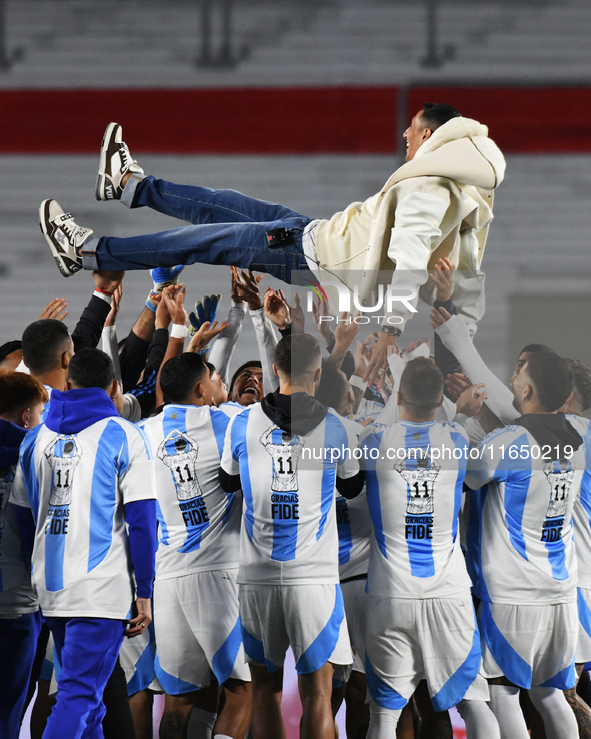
(55, 309)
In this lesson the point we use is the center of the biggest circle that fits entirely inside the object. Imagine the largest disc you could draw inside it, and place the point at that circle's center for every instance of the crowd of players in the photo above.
(168, 525)
(404, 610)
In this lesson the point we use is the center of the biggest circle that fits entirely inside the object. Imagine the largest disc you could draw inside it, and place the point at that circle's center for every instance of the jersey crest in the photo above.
(179, 453)
(63, 455)
(419, 472)
(285, 455)
(560, 476)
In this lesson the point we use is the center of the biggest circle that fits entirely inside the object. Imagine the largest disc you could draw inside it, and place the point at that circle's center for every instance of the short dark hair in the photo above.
(296, 355)
(436, 114)
(421, 385)
(44, 341)
(91, 368)
(8, 348)
(180, 375)
(246, 365)
(551, 377)
(333, 387)
(19, 390)
(533, 348)
(582, 380)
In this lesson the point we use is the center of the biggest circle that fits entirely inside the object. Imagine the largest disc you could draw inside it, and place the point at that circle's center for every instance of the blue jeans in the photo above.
(227, 228)
(87, 649)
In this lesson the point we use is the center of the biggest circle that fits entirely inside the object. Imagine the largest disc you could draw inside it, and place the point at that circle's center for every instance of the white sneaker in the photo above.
(115, 163)
(63, 235)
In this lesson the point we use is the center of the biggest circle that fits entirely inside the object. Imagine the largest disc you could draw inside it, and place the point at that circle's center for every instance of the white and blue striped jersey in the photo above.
(524, 550)
(77, 486)
(199, 523)
(582, 508)
(289, 532)
(414, 494)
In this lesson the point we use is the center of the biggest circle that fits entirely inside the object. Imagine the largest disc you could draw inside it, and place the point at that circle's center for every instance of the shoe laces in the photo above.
(70, 227)
(126, 159)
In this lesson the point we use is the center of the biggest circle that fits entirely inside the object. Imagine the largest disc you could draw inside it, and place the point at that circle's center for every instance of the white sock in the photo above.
(504, 703)
(222, 736)
(201, 724)
(382, 721)
(559, 719)
(479, 719)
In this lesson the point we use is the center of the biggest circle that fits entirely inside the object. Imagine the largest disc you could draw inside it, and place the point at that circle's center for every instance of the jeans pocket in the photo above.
(275, 270)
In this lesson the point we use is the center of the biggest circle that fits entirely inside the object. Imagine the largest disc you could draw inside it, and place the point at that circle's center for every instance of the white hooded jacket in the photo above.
(437, 205)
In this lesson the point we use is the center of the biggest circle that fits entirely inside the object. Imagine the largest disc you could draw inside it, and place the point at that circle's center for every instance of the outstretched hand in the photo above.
(174, 300)
(247, 288)
(277, 308)
(456, 383)
(439, 317)
(204, 335)
(55, 309)
(471, 400)
(379, 356)
(442, 276)
(108, 280)
(115, 305)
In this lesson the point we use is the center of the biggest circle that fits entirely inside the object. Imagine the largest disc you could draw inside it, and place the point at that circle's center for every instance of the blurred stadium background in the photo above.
(302, 102)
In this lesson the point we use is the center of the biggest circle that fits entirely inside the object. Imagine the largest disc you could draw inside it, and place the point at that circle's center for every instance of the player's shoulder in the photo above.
(231, 408)
(506, 435)
(452, 427)
(333, 417)
(579, 423)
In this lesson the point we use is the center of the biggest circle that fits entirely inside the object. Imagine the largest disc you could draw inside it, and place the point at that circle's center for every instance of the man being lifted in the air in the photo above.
(438, 204)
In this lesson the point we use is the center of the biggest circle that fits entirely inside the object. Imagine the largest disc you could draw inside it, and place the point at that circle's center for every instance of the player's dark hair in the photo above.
(532, 348)
(333, 387)
(19, 391)
(44, 342)
(91, 368)
(246, 365)
(421, 386)
(180, 375)
(582, 380)
(8, 348)
(211, 367)
(436, 114)
(296, 355)
(551, 377)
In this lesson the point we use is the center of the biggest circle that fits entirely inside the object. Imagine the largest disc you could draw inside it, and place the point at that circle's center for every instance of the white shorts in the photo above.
(531, 645)
(583, 651)
(197, 629)
(356, 604)
(310, 618)
(137, 660)
(434, 639)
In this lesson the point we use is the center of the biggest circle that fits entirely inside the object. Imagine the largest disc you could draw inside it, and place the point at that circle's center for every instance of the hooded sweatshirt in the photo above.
(74, 411)
(437, 205)
(551, 430)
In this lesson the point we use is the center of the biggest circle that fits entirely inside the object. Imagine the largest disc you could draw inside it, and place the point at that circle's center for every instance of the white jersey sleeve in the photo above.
(582, 508)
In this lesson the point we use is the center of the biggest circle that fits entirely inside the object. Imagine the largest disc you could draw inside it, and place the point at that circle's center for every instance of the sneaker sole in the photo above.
(59, 258)
(101, 179)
